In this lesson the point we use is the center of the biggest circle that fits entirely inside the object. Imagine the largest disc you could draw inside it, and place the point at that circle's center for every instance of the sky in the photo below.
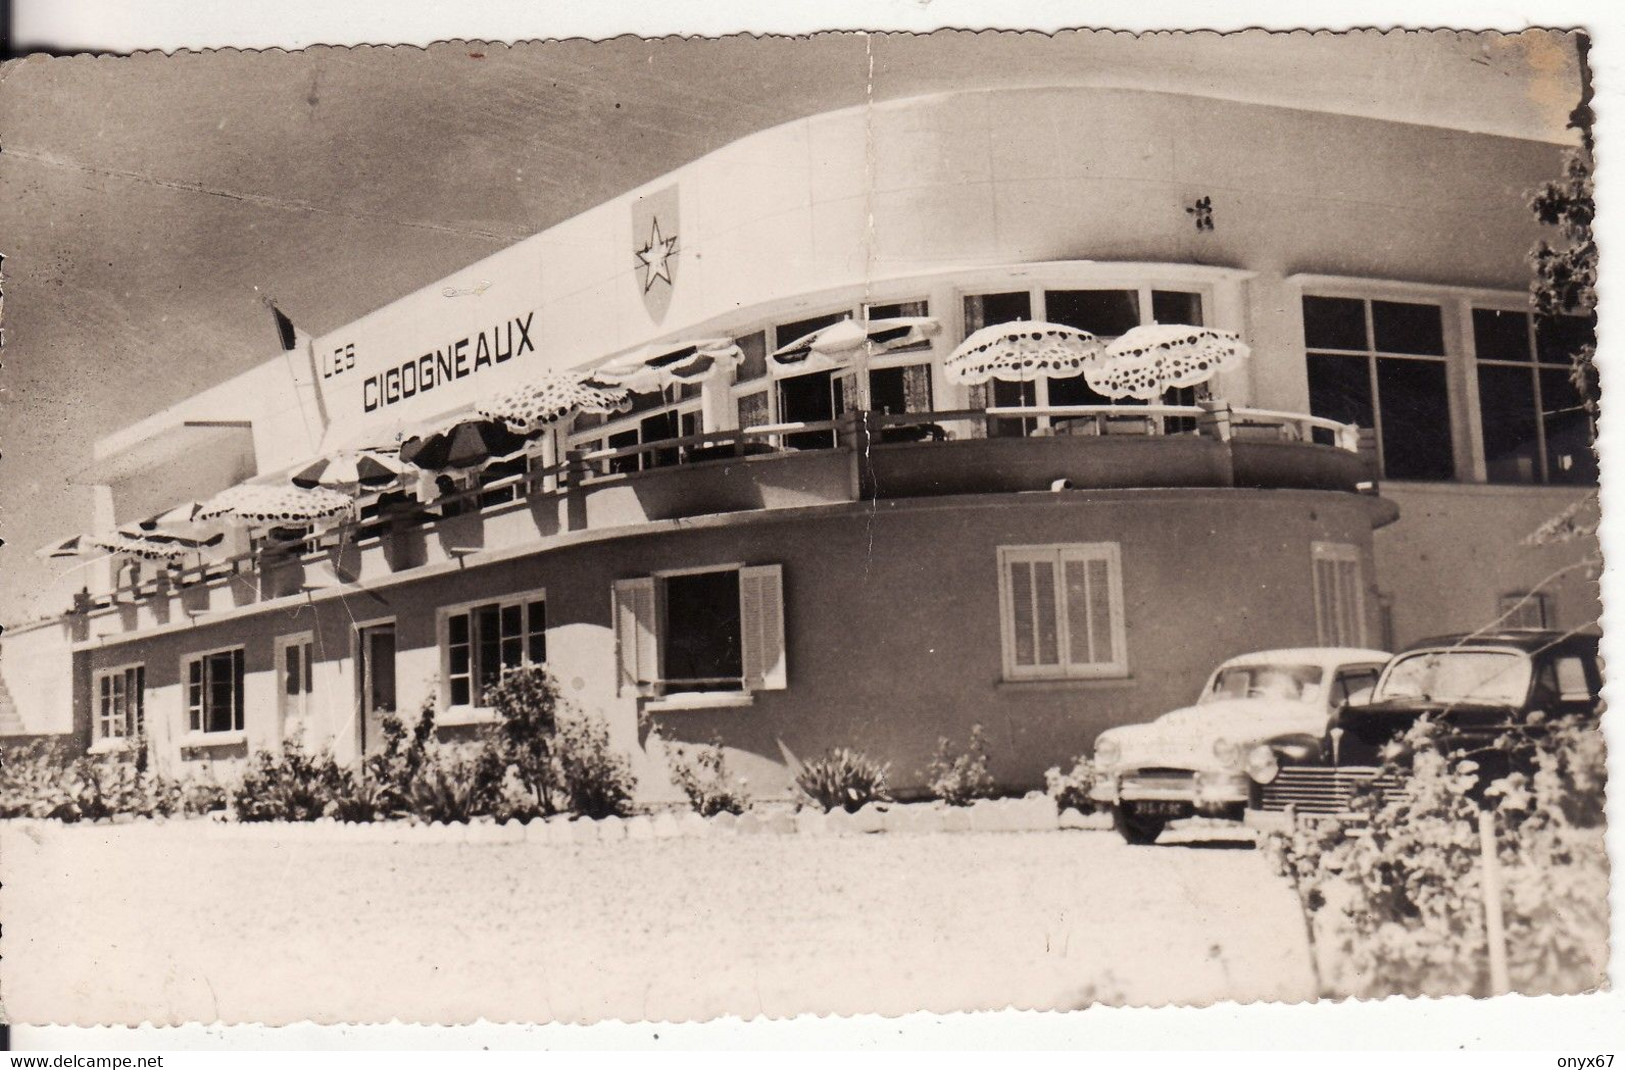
(148, 203)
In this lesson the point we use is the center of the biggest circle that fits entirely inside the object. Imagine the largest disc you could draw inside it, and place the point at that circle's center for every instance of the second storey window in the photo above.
(120, 702)
(479, 642)
(214, 691)
(1535, 427)
(1381, 365)
(1062, 611)
(710, 630)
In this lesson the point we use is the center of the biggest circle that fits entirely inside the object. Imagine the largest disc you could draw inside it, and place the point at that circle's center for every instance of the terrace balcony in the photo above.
(718, 477)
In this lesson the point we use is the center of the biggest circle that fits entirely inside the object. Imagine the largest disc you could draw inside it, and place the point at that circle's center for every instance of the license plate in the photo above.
(1161, 808)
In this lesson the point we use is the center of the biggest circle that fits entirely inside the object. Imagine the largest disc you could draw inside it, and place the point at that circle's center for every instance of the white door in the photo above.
(296, 687)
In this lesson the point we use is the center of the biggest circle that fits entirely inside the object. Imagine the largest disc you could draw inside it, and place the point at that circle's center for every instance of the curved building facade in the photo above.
(861, 554)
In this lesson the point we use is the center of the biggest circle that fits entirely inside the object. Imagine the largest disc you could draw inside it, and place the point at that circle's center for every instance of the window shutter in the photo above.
(636, 632)
(761, 624)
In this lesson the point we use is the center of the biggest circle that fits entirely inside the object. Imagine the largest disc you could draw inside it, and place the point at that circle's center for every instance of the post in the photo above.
(1215, 419)
(1494, 924)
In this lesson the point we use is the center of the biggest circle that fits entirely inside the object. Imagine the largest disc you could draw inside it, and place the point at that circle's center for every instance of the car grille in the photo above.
(1323, 790)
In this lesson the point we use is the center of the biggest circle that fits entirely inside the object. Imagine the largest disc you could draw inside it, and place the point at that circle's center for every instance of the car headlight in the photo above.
(1107, 751)
(1227, 754)
(1262, 764)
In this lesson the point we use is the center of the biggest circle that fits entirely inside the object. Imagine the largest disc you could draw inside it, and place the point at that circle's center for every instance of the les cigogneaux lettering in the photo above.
(457, 360)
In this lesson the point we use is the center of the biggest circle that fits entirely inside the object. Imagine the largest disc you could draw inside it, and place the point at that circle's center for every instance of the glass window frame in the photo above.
(198, 696)
(1533, 366)
(1448, 361)
(521, 600)
(118, 701)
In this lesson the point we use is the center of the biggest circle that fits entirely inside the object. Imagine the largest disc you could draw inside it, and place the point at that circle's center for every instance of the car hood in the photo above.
(1184, 738)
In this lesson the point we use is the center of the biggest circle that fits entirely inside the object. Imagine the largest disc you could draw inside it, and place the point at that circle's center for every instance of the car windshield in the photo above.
(1292, 683)
(1498, 676)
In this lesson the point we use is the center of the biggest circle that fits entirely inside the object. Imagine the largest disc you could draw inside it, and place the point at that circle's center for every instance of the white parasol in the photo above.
(552, 398)
(265, 503)
(1021, 352)
(829, 347)
(664, 364)
(1148, 360)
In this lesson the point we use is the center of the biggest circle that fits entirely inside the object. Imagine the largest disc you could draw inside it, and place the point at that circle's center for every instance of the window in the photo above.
(1524, 610)
(478, 642)
(655, 416)
(1352, 682)
(214, 691)
(1062, 610)
(295, 680)
(1339, 595)
(120, 702)
(753, 362)
(709, 630)
(1381, 365)
(1535, 428)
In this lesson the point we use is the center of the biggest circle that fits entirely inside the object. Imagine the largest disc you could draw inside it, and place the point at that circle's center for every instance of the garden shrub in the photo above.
(289, 784)
(40, 780)
(598, 782)
(706, 783)
(455, 783)
(1070, 790)
(1402, 901)
(961, 779)
(844, 779)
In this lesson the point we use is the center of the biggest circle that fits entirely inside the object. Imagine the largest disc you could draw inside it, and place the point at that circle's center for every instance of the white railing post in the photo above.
(1494, 923)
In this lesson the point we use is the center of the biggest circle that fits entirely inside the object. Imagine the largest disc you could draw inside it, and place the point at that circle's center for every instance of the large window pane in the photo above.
(754, 363)
(1021, 605)
(1569, 457)
(1075, 390)
(1415, 419)
(1176, 306)
(897, 390)
(1559, 338)
(1107, 313)
(1500, 335)
(1402, 327)
(703, 634)
(1340, 389)
(1506, 404)
(984, 310)
(1334, 323)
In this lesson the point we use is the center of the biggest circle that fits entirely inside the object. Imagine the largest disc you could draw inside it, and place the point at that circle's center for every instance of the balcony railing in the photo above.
(583, 472)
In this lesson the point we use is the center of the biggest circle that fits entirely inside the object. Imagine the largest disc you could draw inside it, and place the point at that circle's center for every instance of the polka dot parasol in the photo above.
(549, 399)
(265, 503)
(1021, 352)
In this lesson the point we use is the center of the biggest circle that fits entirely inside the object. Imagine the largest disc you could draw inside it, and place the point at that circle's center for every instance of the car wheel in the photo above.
(1140, 831)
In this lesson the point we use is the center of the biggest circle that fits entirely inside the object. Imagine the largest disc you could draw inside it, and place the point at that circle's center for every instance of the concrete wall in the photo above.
(891, 622)
(36, 670)
(1457, 547)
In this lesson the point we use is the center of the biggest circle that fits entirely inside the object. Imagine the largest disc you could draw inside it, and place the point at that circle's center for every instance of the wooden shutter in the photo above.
(637, 633)
(761, 624)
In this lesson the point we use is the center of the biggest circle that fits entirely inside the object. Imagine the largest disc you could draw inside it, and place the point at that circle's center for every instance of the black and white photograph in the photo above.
(662, 528)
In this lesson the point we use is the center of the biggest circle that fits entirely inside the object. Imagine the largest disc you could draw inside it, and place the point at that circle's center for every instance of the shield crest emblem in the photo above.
(655, 249)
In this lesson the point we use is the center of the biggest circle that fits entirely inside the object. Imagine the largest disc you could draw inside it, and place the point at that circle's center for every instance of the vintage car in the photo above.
(1480, 688)
(1190, 761)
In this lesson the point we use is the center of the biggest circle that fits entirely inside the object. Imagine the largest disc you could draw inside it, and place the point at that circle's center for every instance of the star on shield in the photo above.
(655, 257)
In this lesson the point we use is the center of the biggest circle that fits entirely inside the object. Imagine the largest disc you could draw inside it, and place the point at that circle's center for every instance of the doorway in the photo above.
(810, 398)
(375, 671)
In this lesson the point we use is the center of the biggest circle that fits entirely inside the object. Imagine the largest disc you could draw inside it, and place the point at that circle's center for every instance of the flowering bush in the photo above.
(844, 779)
(706, 783)
(961, 779)
(598, 782)
(1070, 790)
(1403, 900)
